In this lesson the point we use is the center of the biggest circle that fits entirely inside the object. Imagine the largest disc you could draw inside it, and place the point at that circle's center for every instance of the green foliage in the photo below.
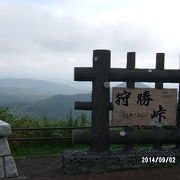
(6, 116)
(29, 122)
(69, 118)
(44, 149)
(84, 120)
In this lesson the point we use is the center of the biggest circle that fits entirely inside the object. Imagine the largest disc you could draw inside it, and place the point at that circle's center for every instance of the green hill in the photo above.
(55, 107)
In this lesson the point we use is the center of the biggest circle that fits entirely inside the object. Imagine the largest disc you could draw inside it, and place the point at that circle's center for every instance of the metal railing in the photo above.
(46, 129)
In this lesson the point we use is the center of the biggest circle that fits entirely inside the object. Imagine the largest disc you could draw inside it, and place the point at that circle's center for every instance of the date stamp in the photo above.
(157, 159)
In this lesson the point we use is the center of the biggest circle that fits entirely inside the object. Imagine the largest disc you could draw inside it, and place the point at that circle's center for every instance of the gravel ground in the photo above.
(50, 168)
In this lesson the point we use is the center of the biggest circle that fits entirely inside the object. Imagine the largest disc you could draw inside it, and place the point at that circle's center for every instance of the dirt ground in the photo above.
(50, 168)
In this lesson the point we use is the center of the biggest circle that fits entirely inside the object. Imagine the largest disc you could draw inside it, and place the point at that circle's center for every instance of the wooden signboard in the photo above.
(144, 106)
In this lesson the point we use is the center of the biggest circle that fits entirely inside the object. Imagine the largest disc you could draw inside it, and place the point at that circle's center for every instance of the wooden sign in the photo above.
(144, 106)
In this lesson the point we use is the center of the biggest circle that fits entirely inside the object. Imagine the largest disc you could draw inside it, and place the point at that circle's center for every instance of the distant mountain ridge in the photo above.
(41, 86)
(137, 85)
(30, 90)
(57, 106)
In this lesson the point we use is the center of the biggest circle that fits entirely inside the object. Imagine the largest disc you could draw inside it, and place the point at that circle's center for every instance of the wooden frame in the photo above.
(101, 74)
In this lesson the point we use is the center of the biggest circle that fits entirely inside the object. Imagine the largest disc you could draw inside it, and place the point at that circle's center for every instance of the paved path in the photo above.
(50, 168)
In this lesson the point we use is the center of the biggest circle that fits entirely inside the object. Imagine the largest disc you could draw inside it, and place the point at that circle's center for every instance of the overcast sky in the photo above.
(45, 40)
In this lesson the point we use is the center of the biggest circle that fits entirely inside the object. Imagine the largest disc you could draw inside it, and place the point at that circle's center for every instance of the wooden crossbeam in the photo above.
(137, 75)
(87, 105)
(130, 137)
(101, 75)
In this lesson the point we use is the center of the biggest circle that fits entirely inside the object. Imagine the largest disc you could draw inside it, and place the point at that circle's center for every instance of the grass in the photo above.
(50, 147)
(44, 148)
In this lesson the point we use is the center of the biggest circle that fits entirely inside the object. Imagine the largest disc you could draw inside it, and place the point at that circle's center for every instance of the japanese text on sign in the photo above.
(144, 106)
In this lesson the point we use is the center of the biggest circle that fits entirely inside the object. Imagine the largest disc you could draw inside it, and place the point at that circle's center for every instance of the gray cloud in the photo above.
(24, 27)
(35, 43)
(70, 36)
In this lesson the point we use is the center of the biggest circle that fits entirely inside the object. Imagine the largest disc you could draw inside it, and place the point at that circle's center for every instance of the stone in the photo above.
(5, 128)
(82, 161)
(7, 164)
(2, 172)
(10, 167)
(4, 147)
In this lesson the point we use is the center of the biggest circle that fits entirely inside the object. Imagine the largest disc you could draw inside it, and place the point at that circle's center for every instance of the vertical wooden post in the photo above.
(159, 85)
(100, 100)
(131, 65)
(130, 84)
(178, 116)
(159, 66)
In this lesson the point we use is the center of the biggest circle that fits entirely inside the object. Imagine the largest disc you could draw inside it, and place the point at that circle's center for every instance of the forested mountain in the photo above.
(55, 107)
